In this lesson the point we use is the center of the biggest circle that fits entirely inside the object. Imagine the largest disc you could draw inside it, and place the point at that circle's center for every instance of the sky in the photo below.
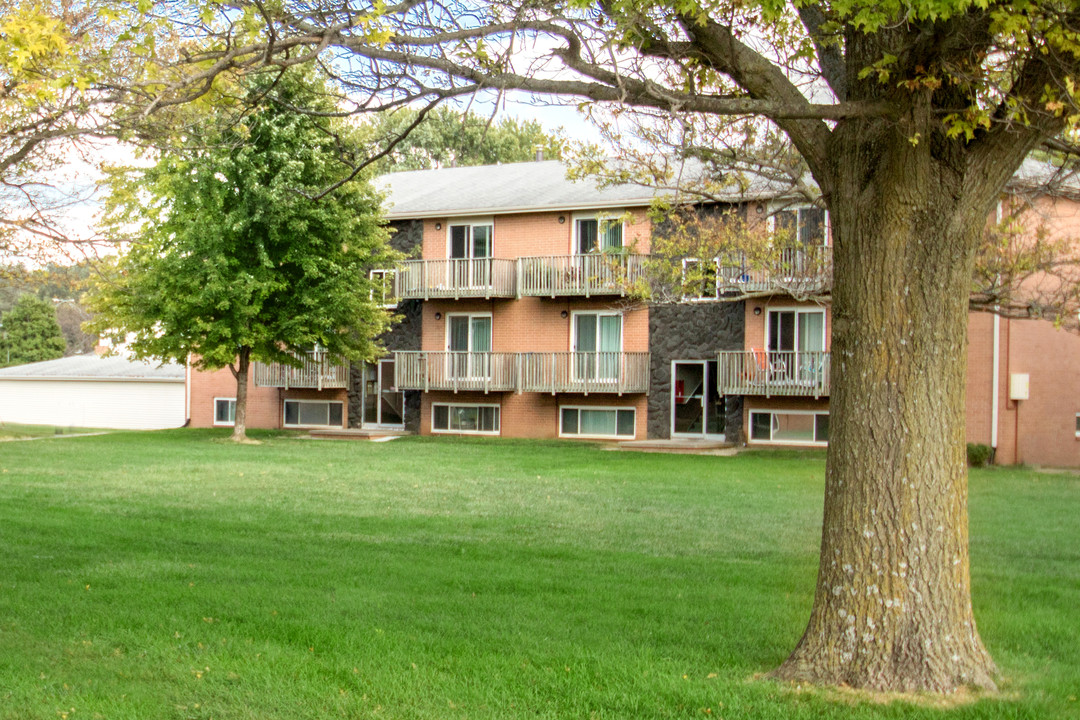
(80, 219)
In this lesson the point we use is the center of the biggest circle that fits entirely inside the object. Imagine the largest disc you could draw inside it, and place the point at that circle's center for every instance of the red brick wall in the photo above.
(522, 235)
(532, 324)
(265, 405)
(534, 415)
(757, 326)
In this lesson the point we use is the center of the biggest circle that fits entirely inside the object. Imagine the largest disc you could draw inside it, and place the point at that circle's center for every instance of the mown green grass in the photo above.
(175, 575)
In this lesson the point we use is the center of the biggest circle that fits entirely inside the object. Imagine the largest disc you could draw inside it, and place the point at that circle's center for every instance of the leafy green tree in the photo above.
(231, 260)
(910, 118)
(31, 333)
(444, 137)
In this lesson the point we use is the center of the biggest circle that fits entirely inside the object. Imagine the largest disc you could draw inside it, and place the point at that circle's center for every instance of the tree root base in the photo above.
(847, 695)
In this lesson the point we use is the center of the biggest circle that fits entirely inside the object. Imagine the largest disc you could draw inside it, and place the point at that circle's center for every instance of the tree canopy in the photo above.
(443, 137)
(30, 333)
(229, 258)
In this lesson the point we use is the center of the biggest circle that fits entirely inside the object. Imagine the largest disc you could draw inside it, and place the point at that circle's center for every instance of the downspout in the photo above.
(995, 389)
(187, 392)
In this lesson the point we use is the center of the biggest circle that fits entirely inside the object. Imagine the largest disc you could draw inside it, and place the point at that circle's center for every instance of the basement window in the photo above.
(224, 411)
(313, 413)
(597, 422)
(465, 419)
(790, 427)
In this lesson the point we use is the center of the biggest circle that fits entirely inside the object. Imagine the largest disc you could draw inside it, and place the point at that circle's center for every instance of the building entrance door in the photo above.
(697, 409)
(384, 407)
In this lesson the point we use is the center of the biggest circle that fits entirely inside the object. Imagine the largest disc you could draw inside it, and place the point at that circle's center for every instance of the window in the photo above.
(469, 247)
(382, 287)
(468, 338)
(796, 330)
(699, 278)
(306, 413)
(224, 411)
(791, 427)
(597, 343)
(805, 225)
(597, 422)
(474, 419)
(1078, 425)
(592, 234)
(471, 240)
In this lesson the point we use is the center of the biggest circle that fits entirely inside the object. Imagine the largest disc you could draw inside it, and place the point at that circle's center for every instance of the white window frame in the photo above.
(469, 222)
(471, 372)
(609, 408)
(610, 313)
(794, 443)
(1078, 425)
(797, 309)
(388, 275)
(470, 315)
(781, 207)
(573, 345)
(715, 283)
(612, 216)
(450, 405)
(232, 402)
(286, 401)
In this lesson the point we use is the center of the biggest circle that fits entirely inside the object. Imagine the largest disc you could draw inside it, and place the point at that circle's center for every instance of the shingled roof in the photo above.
(93, 367)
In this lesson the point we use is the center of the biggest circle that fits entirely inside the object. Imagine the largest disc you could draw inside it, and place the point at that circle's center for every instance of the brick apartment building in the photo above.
(514, 323)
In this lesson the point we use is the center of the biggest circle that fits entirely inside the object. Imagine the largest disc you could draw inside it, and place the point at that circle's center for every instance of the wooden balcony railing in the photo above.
(318, 371)
(455, 278)
(769, 373)
(585, 372)
(578, 275)
(800, 270)
(456, 371)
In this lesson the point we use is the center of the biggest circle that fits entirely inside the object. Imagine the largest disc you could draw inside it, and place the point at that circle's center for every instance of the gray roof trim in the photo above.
(96, 368)
(515, 210)
(91, 378)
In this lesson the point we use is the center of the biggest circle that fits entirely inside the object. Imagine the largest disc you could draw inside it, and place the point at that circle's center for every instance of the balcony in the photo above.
(318, 371)
(579, 275)
(585, 372)
(802, 270)
(774, 374)
(455, 279)
(456, 371)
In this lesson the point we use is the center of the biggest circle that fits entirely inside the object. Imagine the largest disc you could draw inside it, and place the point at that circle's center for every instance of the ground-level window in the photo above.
(790, 427)
(597, 422)
(479, 419)
(304, 413)
(224, 411)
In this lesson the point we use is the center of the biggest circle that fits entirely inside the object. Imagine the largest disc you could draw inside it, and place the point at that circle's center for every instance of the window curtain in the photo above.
(610, 341)
(598, 422)
(612, 236)
(811, 331)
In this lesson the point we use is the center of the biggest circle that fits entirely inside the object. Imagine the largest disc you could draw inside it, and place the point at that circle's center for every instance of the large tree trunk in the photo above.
(243, 365)
(892, 610)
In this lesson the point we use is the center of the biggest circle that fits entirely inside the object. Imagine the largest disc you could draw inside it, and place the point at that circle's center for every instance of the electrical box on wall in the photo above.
(1018, 386)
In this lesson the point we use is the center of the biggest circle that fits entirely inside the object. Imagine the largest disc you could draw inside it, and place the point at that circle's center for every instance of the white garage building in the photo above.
(94, 392)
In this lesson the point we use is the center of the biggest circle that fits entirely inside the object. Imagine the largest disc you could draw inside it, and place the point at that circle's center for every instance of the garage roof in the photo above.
(94, 367)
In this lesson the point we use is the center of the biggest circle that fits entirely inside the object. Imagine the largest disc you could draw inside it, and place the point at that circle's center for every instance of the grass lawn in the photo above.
(173, 575)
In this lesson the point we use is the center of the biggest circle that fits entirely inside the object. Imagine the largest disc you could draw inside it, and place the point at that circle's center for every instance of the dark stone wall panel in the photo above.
(691, 331)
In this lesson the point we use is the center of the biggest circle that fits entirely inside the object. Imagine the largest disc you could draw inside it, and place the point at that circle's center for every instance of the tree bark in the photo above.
(243, 365)
(892, 609)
